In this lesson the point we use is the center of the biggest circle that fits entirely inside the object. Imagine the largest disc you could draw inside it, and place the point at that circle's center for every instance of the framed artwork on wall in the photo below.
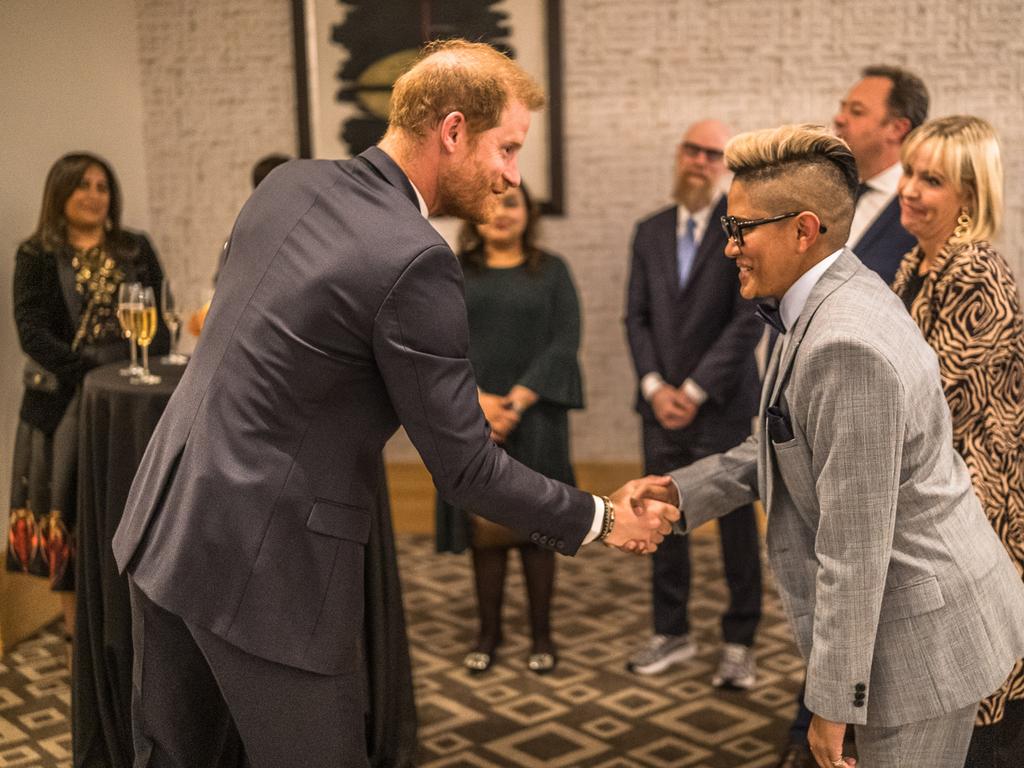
(348, 54)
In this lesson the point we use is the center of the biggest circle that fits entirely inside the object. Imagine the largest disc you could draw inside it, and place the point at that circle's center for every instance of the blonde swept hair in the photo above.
(965, 150)
(459, 76)
(812, 169)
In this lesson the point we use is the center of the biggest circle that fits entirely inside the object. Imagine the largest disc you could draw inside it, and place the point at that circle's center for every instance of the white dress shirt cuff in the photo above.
(650, 384)
(695, 392)
(598, 524)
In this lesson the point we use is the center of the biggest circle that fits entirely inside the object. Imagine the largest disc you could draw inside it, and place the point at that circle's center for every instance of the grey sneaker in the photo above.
(736, 669)
(661, 652)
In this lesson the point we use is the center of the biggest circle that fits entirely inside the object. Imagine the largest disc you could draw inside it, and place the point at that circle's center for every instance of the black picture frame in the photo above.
(308, 51)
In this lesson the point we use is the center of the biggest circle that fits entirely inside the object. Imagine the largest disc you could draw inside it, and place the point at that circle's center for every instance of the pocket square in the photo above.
(779, 428)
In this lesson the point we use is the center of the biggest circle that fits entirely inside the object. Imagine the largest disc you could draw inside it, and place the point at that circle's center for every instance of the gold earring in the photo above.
(963, 225)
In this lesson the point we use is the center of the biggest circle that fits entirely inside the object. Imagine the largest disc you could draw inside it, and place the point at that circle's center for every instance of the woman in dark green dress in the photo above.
(524, 328)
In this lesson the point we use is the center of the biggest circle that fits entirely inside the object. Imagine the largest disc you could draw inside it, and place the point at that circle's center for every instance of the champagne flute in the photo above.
(144, 322)
(128, 300)
(172, 318)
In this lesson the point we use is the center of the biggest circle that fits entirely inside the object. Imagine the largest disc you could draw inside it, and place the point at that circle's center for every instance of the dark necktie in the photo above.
(769, 314)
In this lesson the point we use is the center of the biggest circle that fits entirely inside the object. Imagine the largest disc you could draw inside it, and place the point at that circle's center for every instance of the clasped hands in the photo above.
(672, 407)
(644, 512)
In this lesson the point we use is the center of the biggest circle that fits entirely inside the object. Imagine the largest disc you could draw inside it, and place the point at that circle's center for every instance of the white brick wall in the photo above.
(218, 86)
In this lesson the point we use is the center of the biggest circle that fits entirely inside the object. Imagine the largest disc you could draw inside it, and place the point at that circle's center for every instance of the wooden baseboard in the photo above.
(412, 491)
(28, 605)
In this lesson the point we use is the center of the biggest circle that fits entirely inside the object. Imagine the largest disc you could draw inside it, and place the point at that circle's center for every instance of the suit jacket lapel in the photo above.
(389, 170)
(67, 279)
(882, 221)
(712, 245)
(666, 250)
(841, 271)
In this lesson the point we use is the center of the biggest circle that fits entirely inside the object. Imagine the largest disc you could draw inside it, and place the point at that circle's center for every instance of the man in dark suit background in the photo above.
(340, 316)
(692, 339)
(874, 118)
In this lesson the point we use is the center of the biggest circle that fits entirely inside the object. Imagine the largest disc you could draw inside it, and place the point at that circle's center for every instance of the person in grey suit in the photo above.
(901, 598)
(874, 118)
(692, 339)
(341, 318)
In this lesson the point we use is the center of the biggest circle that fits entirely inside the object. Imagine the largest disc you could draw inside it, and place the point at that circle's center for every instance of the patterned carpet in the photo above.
(589, 712)
(35, 703)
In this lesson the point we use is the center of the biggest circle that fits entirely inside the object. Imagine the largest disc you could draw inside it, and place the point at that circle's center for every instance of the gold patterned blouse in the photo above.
(97, 279)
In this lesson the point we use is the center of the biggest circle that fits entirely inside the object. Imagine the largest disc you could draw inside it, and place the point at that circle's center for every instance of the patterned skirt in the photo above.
(40, 538)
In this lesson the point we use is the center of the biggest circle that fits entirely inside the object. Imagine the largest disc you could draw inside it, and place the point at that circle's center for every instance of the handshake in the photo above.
(644, 512)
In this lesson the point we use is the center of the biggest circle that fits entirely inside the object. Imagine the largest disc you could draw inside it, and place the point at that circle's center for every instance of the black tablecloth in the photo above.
(117, 420)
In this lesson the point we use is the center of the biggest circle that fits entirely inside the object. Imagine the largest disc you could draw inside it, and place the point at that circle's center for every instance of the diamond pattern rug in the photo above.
(589, 712)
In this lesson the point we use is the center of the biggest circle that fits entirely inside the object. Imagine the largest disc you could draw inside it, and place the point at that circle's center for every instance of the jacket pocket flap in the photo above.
(341, 521)
(911, 600)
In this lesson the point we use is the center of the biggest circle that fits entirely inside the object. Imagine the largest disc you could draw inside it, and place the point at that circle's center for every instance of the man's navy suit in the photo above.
(339, 316)
(706, 332)
(882, 246)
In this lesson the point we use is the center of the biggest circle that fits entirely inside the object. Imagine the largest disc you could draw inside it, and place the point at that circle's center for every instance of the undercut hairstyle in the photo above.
(62, 180)
(458, 76)
(965, 150)
(908, 97)
(798, 167)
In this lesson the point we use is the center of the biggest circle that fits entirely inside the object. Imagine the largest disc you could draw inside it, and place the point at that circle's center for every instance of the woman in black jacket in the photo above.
(66, 281)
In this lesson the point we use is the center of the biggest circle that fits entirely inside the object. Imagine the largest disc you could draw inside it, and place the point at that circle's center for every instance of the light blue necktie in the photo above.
(686, 249)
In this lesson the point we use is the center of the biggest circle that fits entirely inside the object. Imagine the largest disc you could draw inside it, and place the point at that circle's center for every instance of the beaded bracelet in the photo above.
(609, 519)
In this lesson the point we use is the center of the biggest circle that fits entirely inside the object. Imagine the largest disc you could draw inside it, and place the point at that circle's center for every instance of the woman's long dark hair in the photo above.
(61, 182)
(471, 244)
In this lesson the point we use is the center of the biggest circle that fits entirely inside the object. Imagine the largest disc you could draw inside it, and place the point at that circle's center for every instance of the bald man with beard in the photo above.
(692, 339)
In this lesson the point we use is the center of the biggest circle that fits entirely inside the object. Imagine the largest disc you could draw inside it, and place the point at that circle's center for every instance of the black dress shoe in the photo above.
(796, 756)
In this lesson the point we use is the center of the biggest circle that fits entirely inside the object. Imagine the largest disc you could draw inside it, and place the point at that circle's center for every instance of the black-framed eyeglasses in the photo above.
(691, 149)
(734, 227)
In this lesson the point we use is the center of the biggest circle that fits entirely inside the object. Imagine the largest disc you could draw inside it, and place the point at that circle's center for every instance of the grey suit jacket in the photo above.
(901, 597)
(339, 315)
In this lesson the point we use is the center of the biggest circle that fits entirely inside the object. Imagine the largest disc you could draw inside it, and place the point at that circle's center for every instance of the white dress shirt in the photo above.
(795, 298)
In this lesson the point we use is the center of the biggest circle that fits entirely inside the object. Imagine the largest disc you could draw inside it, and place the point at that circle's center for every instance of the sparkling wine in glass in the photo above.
(144, 322)
(129, 299)
(172, 318)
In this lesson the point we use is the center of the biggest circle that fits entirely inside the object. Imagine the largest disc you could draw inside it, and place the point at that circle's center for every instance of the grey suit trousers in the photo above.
(940, 742)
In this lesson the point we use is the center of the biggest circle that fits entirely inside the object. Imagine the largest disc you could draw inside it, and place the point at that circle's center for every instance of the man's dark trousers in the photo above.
(664, 452)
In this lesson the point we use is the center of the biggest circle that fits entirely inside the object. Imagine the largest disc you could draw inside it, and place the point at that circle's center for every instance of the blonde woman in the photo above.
(962, 295)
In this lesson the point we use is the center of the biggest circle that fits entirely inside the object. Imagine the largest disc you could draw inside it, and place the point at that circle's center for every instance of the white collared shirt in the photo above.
(701, 220)
(881, 190)
(794, 300)
(424, 211)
